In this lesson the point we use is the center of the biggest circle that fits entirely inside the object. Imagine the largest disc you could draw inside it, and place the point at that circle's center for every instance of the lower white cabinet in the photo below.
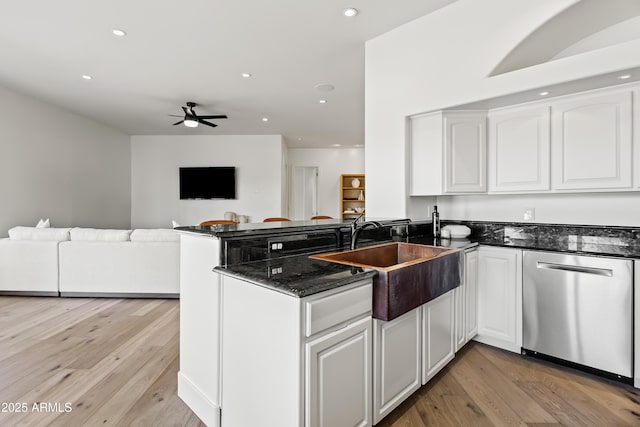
(437, 335)
(396, 360)
(293, 362)
(466, 301)
(471, 293)
(338, 377)
(500, 297)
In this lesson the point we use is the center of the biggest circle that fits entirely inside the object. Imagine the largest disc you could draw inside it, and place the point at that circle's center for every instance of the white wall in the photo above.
(155, 161)
(442, 60)
(58, 165)
(331, 163)
(578, 208)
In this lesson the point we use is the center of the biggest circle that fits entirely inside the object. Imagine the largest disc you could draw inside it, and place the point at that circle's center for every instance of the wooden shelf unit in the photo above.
(349, 195)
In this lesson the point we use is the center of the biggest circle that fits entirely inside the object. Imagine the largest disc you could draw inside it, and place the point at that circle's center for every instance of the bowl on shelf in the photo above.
(359, 210)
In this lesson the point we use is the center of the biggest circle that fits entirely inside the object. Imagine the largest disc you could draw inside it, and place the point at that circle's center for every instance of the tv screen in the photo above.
(208, 183)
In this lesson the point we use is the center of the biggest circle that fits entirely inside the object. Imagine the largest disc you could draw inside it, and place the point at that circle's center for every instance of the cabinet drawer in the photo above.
(324, 311)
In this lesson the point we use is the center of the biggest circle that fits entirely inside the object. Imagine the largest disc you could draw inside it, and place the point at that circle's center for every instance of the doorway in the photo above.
(304, 192)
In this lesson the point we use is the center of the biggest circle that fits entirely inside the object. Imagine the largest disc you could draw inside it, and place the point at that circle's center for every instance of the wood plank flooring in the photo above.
(115, 362)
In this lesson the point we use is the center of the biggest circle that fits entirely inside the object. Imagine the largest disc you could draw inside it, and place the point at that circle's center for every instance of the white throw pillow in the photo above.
(92, 234)
(43, 223)
(33, 233)
(154, 235)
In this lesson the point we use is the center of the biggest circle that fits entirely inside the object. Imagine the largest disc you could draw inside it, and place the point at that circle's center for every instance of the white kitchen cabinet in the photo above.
(500, 297)
(519, 150)
(471, 293)
(636, 327)
(592, 142)
(447, 152)
(636, 139)
(437, 335)
(466, 301)
(338, 377)
(396, 360)
(460, 314)
(296, 361)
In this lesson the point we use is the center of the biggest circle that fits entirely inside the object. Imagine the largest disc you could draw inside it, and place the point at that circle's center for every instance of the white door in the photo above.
(519, 150)
(338, 378)
(437, 335)
(471, 285)
(396, 360)
(465, 153)
(460, 323)
(500, 297)
(591, 142)
(304, 192)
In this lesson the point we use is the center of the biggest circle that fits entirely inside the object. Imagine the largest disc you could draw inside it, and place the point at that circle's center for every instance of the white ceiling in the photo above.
(177, 51)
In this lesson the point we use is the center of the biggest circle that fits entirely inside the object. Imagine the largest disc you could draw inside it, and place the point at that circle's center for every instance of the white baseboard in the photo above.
(202, 406)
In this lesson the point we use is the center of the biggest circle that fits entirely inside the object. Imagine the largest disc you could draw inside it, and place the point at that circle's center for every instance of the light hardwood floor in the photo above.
(115, 362)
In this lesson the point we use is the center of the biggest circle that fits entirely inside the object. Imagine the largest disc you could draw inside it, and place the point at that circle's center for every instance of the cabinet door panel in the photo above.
(500, 298)
(338, 384)
(438, 335)
(519, 150)
(471, 284)
(465, 154)
(592, 142)
(396, 361)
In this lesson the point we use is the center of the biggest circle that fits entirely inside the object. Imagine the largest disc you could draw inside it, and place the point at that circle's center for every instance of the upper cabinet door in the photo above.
(592, 142)
(465, 152)
(519, 150)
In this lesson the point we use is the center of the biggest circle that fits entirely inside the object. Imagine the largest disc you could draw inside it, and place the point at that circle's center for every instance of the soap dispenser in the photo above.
(435, 222)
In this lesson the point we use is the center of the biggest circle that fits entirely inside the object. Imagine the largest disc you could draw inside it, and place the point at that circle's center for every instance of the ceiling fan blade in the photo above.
(177, 123)
(213, 125)
(173, 115)
(186, 111)
(221, 116)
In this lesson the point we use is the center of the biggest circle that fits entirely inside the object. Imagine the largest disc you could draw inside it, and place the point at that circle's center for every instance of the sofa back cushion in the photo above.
(33, 233)
(92, 234)
(154, 235)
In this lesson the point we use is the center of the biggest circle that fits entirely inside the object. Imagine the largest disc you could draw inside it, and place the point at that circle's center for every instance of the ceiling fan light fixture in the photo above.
(118, 32)
(190, 123)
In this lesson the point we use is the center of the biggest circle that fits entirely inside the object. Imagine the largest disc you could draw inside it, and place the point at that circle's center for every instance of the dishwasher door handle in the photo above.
(575, 268)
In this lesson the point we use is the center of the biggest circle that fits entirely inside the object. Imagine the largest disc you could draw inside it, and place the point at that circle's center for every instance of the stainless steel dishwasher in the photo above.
(579, 309)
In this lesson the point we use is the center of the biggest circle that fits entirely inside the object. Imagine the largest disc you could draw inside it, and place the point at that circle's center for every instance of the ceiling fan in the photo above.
(191, 119)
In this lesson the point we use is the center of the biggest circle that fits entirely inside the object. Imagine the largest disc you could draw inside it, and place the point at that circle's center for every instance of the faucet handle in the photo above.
(359, 218)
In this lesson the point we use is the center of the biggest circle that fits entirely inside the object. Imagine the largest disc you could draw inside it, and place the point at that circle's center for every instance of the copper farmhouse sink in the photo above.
(409, 275)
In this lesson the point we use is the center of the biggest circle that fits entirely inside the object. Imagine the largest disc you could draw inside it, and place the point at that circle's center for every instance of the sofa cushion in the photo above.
(90, 234)
(154, 235)
(43, 223)
(33, 233)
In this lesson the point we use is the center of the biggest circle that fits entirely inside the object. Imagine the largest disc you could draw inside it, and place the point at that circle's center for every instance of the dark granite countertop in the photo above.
(298, 275)
(594, 240)
(288, 227)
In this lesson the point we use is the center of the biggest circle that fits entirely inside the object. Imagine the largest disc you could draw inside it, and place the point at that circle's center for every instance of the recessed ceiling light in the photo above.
(265, 119)
(350, 12)
(336, 145)
(118, 32)
(300, 139)
(245, 75)
(325, 87)
(323, 101)
(624, 76)
(87, 77)
(545, 93)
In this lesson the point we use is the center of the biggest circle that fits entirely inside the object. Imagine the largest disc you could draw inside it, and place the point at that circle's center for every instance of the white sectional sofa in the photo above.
(90, 262)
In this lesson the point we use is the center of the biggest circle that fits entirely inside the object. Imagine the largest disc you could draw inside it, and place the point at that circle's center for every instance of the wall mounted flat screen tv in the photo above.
(208, 183)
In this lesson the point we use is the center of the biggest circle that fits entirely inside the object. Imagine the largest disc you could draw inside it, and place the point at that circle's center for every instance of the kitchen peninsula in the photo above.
(298, 332)
(299, 336)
